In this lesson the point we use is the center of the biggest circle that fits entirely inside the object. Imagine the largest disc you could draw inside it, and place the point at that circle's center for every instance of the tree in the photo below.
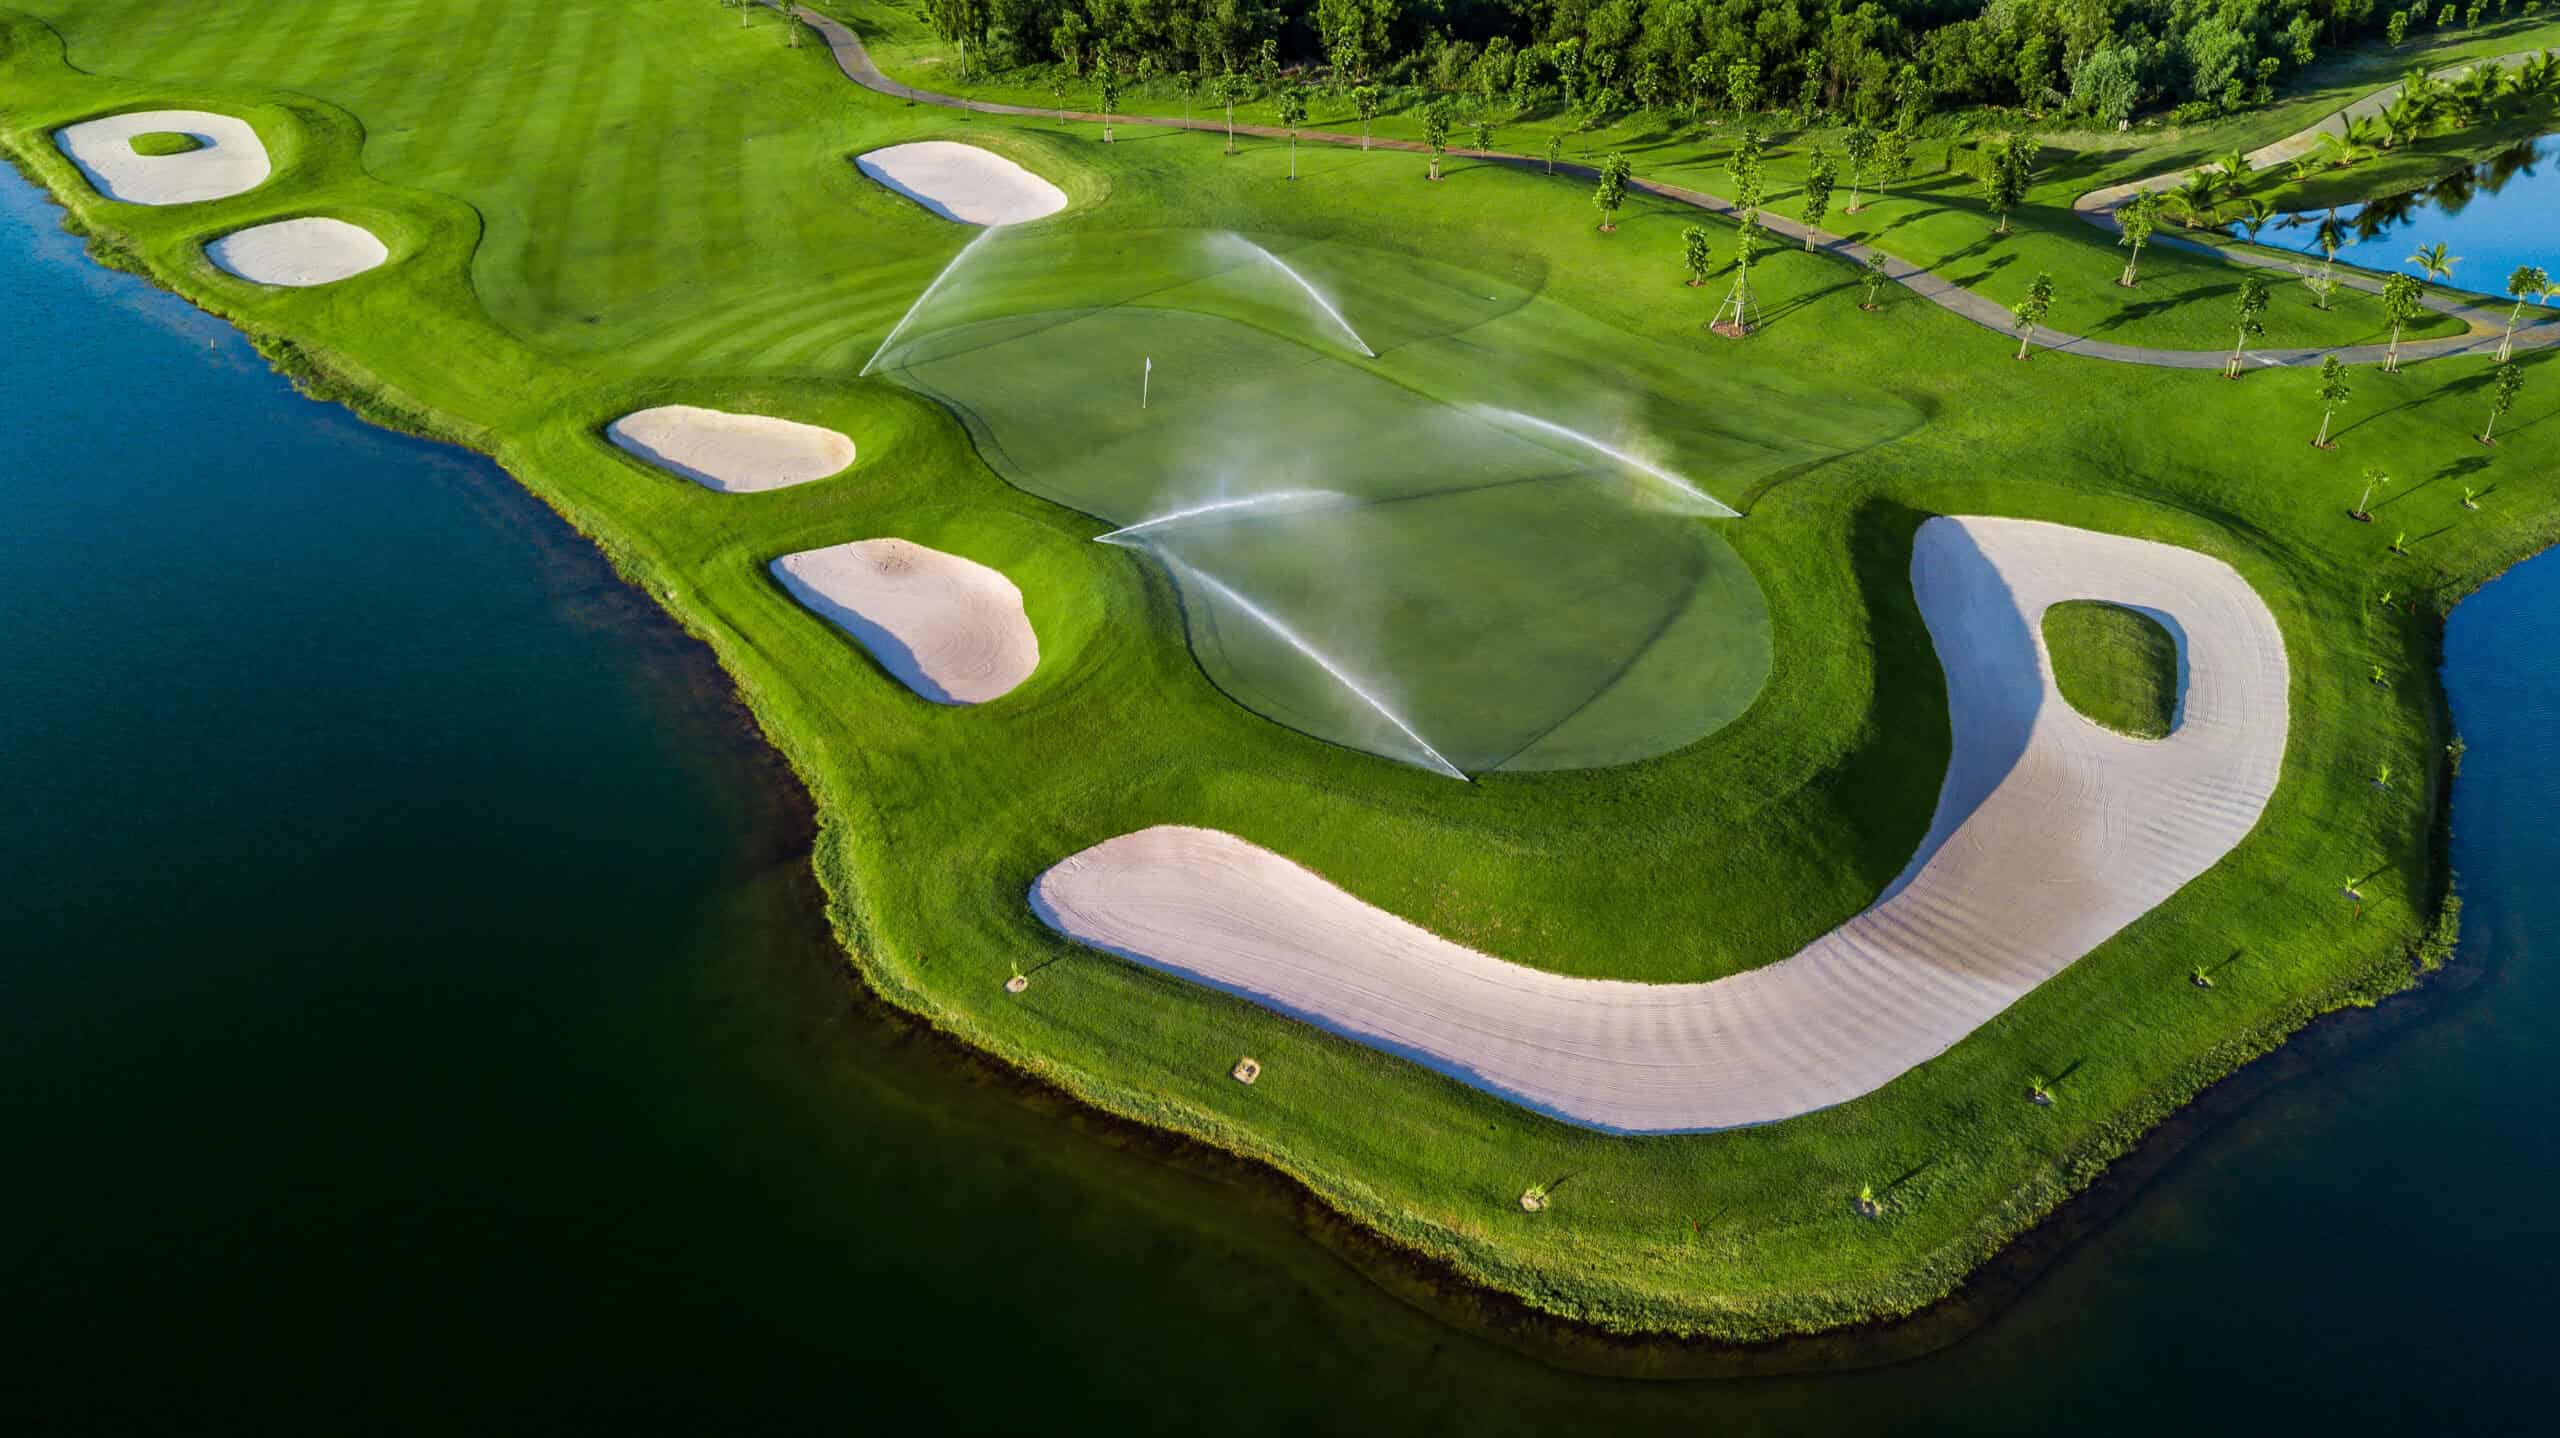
(1894, 163)
(1483, 133)
(2374, 478)
(2136, 219)
(1190, 88)
(1695, 256)
(1109, 83)
(1873, 278)
(1366, 97)
(2403, 300)
(1860, 146)
(1742, 86)
(962, 22)
(1266, 64)
(1613, 189)
(2030, 312)
(2252, 321)
(1738, 301)
(2529, 282)
(2509, 384)
(1293, 113)
(2331, 237)
(1435, 133)
(1555, 150)
(2435, 262)
(1230, 89)
(2007, 165)
(2333, 392)
(1818, 175)
(1057, 93)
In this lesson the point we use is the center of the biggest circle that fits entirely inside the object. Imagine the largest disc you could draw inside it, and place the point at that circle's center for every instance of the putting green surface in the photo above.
(2117, 666)
(1405, 551)
(165, 142)
(598, 206)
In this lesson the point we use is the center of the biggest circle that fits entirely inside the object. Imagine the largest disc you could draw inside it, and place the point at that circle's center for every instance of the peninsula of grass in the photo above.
(2118, 667)
(588, 227)
(157, 143)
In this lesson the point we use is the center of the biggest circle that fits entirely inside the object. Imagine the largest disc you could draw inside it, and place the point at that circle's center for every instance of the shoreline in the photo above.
(322, 374)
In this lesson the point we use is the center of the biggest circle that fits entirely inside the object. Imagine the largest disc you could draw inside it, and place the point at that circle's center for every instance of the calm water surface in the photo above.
(2496, 215)
(412, 1017)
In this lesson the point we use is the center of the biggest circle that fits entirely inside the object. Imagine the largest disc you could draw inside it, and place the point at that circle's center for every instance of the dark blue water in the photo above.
(2496, 215)
(413, 1017)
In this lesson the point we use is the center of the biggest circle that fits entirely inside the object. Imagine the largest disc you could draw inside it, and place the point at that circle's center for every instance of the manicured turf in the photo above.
(597, 205)
(2116, 666)
(165, 142)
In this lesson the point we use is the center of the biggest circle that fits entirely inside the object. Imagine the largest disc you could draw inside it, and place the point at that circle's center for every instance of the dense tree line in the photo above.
(1870, 60)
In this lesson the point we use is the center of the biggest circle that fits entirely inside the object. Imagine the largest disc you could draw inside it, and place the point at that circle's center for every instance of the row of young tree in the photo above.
(1873, 61)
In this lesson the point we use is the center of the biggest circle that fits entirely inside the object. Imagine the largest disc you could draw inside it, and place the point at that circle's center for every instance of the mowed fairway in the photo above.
(595, 208)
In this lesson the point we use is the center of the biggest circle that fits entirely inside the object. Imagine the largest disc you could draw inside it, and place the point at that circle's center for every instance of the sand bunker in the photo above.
(951, 629)
(2050, 835)
(964, 183)
(732, 453)
(298, 253)
(230, 162)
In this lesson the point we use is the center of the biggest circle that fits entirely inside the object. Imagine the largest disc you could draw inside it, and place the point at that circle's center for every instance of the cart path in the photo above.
(856, 63)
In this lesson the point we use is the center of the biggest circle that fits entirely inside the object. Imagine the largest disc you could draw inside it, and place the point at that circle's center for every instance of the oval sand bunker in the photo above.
(951, 629)
(963, 182)
(298, 253)
(732, 453)
(229, 161)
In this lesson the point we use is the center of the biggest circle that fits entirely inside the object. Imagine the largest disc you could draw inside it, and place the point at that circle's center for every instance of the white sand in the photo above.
(230, 161)
(732, 453)
(298, 253)
(2051, 834)
(964, 183)
(951, 629)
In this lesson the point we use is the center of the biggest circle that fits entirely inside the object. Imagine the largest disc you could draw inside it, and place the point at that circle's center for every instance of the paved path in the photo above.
(2051, 834)
(2486, 324)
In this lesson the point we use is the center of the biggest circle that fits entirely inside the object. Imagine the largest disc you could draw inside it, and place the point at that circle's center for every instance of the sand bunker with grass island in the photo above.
(229, 159)
(949, 628)
(732, 453)
(2051, 834)
(298, 254)
(963, 182)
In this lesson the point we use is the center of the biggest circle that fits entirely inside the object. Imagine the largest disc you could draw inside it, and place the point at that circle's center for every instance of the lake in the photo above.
(2496, 215)
(415, 1015)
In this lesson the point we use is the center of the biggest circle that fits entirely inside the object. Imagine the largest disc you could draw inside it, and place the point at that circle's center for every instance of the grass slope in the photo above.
(599, 204)
(2116, 666)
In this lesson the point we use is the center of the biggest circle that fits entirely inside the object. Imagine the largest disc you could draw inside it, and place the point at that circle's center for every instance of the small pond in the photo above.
(2496, 215)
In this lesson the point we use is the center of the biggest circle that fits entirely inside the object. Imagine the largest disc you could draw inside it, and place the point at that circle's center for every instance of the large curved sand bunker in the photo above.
(949, 628)
(963, 182)
(228, 160)
(2051, 834)
(297, 254)
(732, 453)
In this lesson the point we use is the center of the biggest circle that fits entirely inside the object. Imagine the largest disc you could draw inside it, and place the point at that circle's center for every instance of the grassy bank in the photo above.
(595, 206)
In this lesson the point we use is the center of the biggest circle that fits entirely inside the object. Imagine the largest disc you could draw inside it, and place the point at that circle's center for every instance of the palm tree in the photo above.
(2254, 215)
(2435, 262)
(2253, 320)
(2333, 392)
(2235, 168)
(2402, 119)
(2510, 383)
(2331, 237)
(2529, 282)
(2136, 218)
(2199, 199)
(2030, 312)
(2402, 301)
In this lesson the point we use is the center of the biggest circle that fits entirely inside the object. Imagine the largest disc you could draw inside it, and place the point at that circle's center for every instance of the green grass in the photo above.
(599, 204)
(2118, 667)
(165, 142)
